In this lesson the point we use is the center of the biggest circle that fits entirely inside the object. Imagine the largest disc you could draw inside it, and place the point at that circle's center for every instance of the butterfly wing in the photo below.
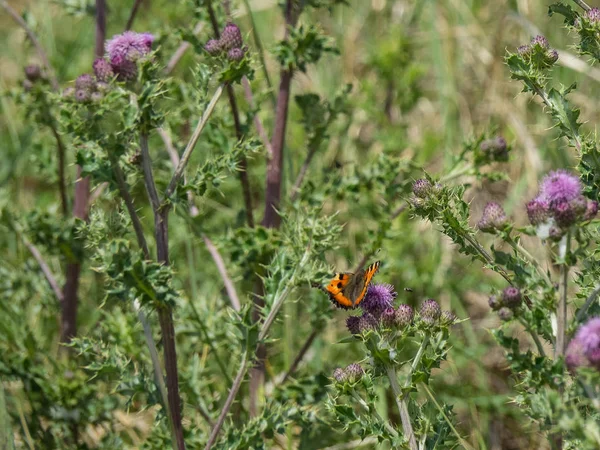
(347, 289)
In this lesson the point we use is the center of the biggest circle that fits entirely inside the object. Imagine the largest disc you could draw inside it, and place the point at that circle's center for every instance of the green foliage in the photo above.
(305, 45)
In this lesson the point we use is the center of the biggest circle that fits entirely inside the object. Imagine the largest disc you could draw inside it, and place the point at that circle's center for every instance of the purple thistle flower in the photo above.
(231, 37)
(505, 314)
(367, 322)
(404, 315)
(540, 41)
(235, 54)
(82, 95)
(524, 50)
(538, 211)
(340, 375)
(103, 70)
(379, 297)
(564, 214)
(430, 309)
(552, 56)
(129, 46)
(493, 218)
(388, 318)
(511, 297)
(125, 70)
(495, 149)
(494, 302)
(589, 338)
(84, 82)
(213, 47)
(593, 15)
(354, 372)
(575, 355)
(353, 324)
(421, 188)
(448, 318)
(560, 185)
(33, 72)
(591, 210)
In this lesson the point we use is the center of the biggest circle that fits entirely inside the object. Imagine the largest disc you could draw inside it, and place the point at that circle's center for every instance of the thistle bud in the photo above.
(213, 47)
(593, 15)
(354, 372)
(495, 149)
(84, 82)
(540, 42)
(493, 218)
(367, 322)
(388, 317)
(505, 314)
(564, 214)
(339, 375)
(421, 188)
(494, 302)
(235, 54)
(591, 210)
(353, 324)
(404, 315)
(448, 318)
(82, 95)
(231, 37)
(538, 211)
(430, 309)
(511, 297)
(33, 72)
(524, 50)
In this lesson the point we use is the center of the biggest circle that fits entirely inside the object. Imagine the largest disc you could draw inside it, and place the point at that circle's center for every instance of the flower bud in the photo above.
(340, 375)
(540, 42)
(33, 72)
(593, 15)
(505, 314)
(235, 54)
(551, 56)
(494, 302)
(511, 297)
(538, 211)
(430, 309)
(404, 315)
(495, 149)
(575, 355)
(388, 317)
(231, 37)
(591, 210)
(354, 372)
(493, 218)
(448, 318)
(84, 82)
(421, 188)
(103, 70)
(82, 95)
(353, 324)
(213, 47)
(564, 214)
(524, 50)
(367, 322)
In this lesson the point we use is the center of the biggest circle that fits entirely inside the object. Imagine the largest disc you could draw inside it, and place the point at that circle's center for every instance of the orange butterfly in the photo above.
(348, 289)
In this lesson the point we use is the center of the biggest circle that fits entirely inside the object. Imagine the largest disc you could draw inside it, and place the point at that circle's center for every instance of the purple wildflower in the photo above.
(129, 46)
(538, 211)
(367, 322)
(593, 15)
(575, 355)
(552, 56)
(524, 50)
(505, 314)
(354, 372)
(591, 210)
(84, 82)
(564, 214)
(421, 188)
(404, 315)
(511, 297)
(589, 337)
(540, 41)
(560, 185)
(340, 375)
(493, 218)
(496, 148)
(82, 95)
(388, 317)
(379, 297)
(231, 37)
(213, 47)
(33, 72)
(102, 69)
(430, 309)
(235, 54)
(353, 324)
(494, 302)
(448, 318)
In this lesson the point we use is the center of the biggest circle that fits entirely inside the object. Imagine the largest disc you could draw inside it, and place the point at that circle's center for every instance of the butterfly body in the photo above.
(346, 290)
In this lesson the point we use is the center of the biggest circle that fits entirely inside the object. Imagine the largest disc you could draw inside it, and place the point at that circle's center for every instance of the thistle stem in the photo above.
(407, 428)
(564, 249)
(373, 412)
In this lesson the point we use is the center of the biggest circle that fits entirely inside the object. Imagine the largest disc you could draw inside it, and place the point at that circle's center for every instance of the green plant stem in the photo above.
(485, 255)
(561, 313)
(535, 337)
(373, 412)
(464, 443)
(582, 312)
(407, 428)
(582, 4)
(529, 258)
(187, 153)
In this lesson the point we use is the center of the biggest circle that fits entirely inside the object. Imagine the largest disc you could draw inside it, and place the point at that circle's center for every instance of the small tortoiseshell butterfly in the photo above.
(348, 289)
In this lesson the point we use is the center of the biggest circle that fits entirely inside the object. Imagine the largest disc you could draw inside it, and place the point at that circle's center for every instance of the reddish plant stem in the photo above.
(165, 312)
(100, 27)
(300, 355)
(62, 185)
(243, 173)
(132, 14)
(45, 269)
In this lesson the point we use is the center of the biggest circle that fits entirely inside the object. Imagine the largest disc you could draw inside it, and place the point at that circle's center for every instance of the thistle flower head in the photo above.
(511, 297)
(103, 70)
(564, 214)
(430, 309)
(505, 314)
(552, 56)
(589, 337)
(421, 188)
(85, 82)
(353, 324)
(128, 46)
(235, 54)
(575, 355)
(379, 297)
(213, 47)
(404, 315)
(354, 372)
(388, 317)
(494, 302)
(560, 185)
(493, 218)
(367, 322)
(231, 37)
(593, 15)
(524, 50)
(538, 211)
(540, 41)
(495, 149)
(33, 72)
(82, 95)
(448, 318)
(339, 375)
